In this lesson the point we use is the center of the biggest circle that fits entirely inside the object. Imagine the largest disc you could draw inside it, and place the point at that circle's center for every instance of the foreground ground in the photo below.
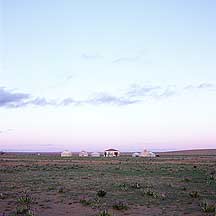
(167, 185)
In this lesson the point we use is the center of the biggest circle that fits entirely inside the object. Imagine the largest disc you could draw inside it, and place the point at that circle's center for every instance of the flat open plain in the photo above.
(167, 185)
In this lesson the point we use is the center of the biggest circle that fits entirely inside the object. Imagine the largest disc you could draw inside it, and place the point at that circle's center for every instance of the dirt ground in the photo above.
(166, 185)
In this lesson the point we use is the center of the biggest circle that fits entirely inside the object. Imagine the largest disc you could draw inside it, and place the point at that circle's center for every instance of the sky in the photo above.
(98, 74)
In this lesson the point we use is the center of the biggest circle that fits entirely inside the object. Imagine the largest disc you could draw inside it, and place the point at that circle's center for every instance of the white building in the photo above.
(147, 153)
(66, 153)
(83, 154)
(111, 153)
(95, 154)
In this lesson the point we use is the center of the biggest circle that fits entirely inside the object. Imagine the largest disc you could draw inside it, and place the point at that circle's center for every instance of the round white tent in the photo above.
(83, 154)
(95, 154)
(66, 153)
(136, 154)
(147, 153)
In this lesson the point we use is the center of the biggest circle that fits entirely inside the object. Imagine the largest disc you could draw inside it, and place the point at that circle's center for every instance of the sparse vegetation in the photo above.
(105, 183)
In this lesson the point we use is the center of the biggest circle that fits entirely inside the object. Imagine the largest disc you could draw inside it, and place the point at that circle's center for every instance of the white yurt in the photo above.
(147, 153)
(83, 154)
(66, 153)
(135, 154)
(95, 154)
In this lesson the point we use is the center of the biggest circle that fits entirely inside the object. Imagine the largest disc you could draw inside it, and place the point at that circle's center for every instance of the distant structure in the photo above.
(136, 154)
(83, 154)
(66, 153)
(111, 153)
(95, 154)
(147, 153)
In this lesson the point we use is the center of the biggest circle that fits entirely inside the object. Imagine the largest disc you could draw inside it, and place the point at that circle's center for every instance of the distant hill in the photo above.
(191, 152)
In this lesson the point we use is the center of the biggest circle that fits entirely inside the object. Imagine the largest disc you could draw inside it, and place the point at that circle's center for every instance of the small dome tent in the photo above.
(83, 154)
(66, 153)
(95, 154)
(136, 154)
(147, 153)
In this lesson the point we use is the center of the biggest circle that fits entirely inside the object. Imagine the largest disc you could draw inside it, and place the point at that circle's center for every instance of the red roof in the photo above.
(111, 150)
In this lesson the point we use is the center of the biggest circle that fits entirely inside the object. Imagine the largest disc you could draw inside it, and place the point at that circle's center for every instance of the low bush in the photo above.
(101, 193)
(208, 206)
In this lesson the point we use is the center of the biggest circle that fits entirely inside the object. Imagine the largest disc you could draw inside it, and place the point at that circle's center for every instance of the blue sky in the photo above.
(96, 74)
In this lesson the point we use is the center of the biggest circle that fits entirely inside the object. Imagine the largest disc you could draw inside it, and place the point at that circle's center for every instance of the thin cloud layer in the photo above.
(156, 92)
(135, 94)
(207, 86)
(91, 57)
(126, 59)
(103, 98)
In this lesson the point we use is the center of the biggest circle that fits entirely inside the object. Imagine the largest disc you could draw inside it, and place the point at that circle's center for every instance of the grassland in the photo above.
(167, 185)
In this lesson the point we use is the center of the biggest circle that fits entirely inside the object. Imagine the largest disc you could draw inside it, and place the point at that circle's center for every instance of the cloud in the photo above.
(69, 77)
(126, 59)
(149, 91)
(134, 94)
(11, 99)
(69, 101)
(104, 98)
(207, 86)
(5, 131)
(91, 57)
(145, 90)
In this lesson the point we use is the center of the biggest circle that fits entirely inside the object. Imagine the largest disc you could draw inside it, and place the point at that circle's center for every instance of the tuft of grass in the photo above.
(61, 190)
(2, 196)
(123, 187)
(24, 211)
(25, 199)
(186, 179)
(194, 194)
(86, 201)
(120, 205)
(104, 213)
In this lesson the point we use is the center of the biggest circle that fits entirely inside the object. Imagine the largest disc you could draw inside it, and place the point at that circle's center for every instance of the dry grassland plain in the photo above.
(48, 185)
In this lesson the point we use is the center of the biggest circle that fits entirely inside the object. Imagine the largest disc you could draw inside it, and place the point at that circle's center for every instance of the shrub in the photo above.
(207, 206)
(151, 193)
(120, 205)
(136, 186)
(101, 193)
